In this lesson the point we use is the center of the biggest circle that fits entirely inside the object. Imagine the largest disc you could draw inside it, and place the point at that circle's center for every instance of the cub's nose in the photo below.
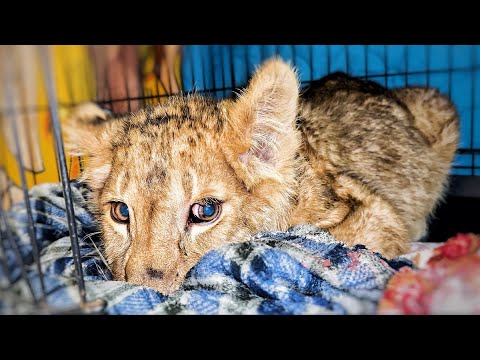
(162, 280)
(154, 273)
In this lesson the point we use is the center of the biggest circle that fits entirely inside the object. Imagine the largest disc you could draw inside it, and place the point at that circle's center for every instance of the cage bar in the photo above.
(67, 191)
(13, 116)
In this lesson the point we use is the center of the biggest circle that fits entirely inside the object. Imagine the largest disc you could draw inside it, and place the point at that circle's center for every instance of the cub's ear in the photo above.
(88, 132)
(260, 132)
(84, 128)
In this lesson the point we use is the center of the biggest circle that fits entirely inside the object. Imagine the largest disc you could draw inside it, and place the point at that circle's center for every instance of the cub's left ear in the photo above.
(260, 132)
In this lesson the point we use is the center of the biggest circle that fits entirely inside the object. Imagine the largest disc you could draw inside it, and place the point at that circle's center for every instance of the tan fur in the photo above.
(365, 163)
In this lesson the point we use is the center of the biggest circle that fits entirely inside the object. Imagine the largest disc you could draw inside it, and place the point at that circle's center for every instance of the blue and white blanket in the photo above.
(301, 271)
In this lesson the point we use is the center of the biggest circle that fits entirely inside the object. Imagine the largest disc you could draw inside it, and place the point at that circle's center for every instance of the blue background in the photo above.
(453, 69)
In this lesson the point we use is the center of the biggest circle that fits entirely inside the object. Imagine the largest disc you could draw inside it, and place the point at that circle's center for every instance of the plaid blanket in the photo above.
(301, 271)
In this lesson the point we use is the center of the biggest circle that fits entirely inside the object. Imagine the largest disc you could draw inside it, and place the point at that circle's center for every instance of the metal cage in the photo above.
(217, 70)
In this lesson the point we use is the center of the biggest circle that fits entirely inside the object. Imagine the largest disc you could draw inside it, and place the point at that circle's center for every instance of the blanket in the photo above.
(301, 271)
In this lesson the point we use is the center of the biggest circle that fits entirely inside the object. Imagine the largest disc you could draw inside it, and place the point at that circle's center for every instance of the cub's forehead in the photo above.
(182, 116)
(183, 132)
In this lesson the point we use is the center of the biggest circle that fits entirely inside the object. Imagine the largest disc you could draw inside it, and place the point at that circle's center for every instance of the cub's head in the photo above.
(174, 181)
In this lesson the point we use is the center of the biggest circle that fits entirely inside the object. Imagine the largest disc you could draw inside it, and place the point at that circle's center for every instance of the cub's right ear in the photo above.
(87, 130)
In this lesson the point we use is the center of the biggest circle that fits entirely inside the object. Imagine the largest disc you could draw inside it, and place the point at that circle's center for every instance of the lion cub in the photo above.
(171, 182)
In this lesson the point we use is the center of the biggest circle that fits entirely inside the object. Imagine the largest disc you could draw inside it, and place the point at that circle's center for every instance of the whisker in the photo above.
(89, 236)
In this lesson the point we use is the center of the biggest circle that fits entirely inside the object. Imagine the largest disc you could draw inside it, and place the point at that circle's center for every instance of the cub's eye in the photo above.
(119, 212)
(206, 211)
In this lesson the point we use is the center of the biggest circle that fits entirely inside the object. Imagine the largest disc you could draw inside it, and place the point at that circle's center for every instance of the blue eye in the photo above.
(124, 210)
(120, 212)
(206, 212)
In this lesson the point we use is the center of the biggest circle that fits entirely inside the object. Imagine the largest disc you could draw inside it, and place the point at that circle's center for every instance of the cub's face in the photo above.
(172, 182)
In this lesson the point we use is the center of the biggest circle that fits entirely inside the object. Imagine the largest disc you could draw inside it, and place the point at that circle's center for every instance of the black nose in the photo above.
(154, 273)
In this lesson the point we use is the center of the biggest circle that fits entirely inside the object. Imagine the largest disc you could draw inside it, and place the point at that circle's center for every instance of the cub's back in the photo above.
(360, 129)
